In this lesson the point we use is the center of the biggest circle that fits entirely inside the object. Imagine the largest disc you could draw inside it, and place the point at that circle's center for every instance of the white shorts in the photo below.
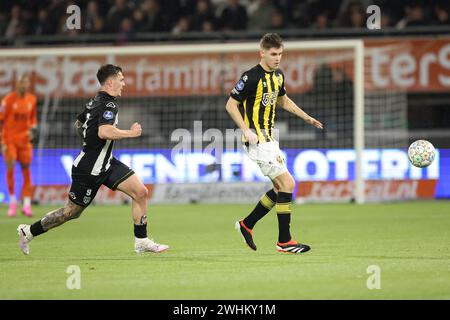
(268, 157)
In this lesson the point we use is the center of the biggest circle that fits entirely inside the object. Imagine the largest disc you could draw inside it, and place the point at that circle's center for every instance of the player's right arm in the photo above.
(109, 132)
(232, 107)
(241, 91)
(107, 129)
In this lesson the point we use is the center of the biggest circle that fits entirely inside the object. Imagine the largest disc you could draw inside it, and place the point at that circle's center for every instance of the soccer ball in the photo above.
(421, 153)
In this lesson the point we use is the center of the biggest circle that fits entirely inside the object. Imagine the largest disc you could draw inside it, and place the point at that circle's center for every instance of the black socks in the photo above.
(283, 207)
(265, 204)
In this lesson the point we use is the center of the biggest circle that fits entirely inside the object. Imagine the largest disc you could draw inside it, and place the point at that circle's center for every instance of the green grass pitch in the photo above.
(409, 242)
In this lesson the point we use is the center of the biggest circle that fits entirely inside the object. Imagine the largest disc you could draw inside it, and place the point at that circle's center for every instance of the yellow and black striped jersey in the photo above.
(257, 91)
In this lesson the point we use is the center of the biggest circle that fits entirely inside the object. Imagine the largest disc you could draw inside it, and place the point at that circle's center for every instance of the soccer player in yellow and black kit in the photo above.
(258, 92)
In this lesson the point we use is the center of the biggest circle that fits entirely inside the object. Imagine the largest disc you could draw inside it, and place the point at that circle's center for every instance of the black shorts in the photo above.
(85, 186)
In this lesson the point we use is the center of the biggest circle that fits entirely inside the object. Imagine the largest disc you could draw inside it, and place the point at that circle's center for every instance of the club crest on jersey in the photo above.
(240, 85)
(108, 115)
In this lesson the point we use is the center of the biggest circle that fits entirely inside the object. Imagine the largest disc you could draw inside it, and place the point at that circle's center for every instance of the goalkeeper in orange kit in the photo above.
(17, 123)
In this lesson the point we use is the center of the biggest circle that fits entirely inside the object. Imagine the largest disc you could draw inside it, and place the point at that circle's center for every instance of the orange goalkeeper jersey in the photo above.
(18, 115)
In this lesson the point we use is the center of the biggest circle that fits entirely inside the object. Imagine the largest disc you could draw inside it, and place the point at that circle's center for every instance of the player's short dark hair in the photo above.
(107, 71)
(271, 40)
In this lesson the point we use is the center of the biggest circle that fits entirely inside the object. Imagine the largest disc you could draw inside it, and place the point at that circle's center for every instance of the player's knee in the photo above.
(141, 193)
(291, 184)
(75, 215)
(73, 212)
(287, 184)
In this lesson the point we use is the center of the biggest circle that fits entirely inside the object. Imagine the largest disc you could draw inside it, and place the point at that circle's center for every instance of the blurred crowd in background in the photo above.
(126, 18)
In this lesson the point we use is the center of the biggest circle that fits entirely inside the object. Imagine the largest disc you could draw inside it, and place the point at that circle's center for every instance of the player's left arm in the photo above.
(287, 104)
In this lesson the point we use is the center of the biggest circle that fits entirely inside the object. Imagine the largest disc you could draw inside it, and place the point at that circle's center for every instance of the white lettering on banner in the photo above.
(88, 81)
(341, 158)
(318, 159)
(143, 163)
(52, 79)
(168, 171)
(444, 61)
(126, 159)
(395, 164)
(47, 68)
(370, 160)
(6, 76)
(200, 74)
(395, 64)
(307, 165)
(397, 67)
(70, 69)
(299, 72)
(67, 161)
(425, 67)
(379, 58)
(403, 67)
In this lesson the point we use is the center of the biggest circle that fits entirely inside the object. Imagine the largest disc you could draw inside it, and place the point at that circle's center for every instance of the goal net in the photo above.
(185, 87)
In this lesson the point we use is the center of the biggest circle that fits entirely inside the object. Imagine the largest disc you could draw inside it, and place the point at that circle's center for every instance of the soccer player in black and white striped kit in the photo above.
(95, 165)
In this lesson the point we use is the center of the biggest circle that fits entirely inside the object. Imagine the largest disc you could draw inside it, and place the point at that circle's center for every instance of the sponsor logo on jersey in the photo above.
(110, 105)
(108, 115)
(269, 98)
(86, 200)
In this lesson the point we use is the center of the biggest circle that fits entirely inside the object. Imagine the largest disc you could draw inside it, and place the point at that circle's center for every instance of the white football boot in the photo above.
(25, 237)
(146, 244)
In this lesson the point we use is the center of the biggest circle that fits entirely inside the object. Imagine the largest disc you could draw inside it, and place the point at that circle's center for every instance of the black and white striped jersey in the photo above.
(96, 155)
